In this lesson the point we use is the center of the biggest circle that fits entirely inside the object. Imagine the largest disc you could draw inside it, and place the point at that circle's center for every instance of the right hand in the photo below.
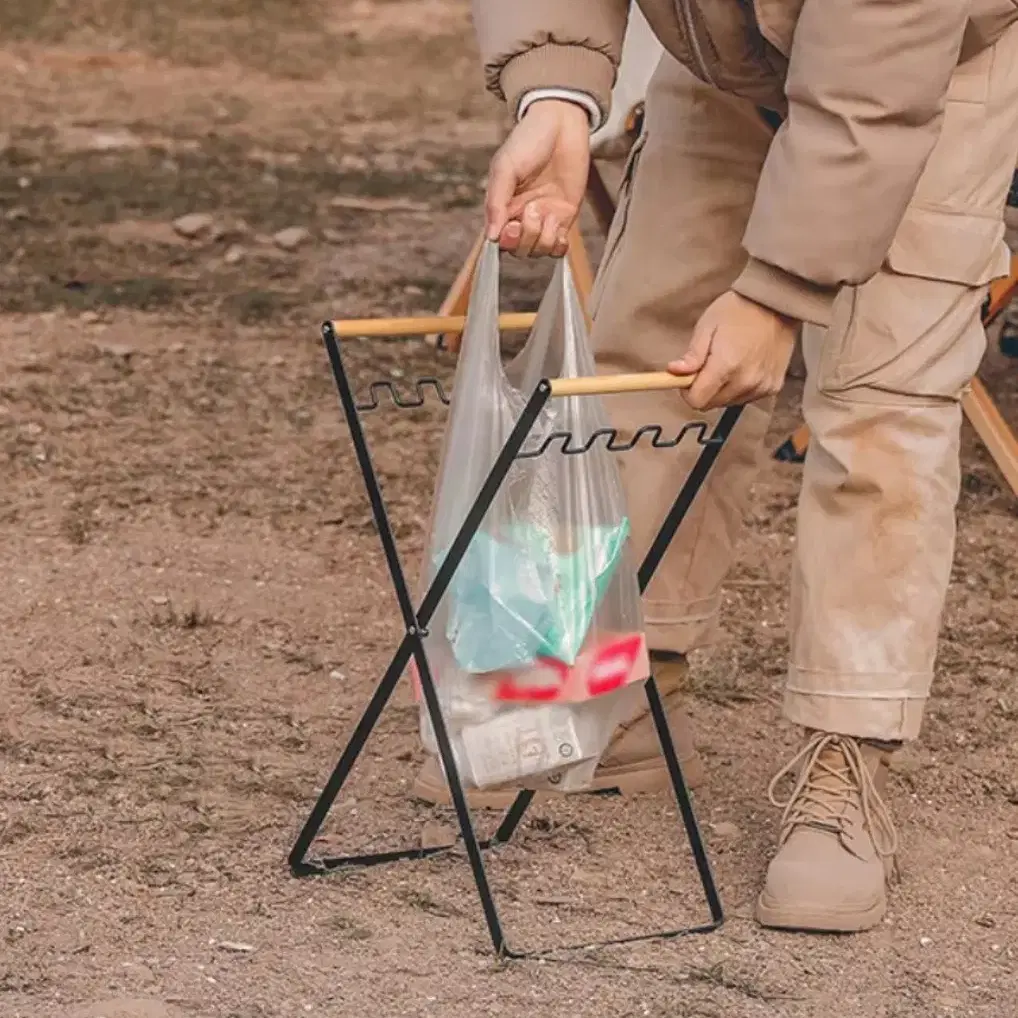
(538, 179)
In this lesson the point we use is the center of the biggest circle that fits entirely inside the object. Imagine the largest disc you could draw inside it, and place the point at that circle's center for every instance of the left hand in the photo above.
(739, 353)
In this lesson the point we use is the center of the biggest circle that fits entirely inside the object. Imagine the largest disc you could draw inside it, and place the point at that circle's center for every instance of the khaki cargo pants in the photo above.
(876, 519)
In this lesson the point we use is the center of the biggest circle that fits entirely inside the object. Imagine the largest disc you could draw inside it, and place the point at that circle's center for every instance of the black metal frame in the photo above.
(416, 628)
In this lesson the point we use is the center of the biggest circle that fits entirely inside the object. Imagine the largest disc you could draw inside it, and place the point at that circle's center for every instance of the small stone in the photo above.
(193, 225)
(925, 941)
(353, 163)
(291, 238)
(436, 835)
(331, 236)
(140, 973)
(160, 599)
(235, 946)
(336, 675)
(234, 254)
(113, 141)
(726, 829)
(119, 351)
(906, 765)
(356, 203)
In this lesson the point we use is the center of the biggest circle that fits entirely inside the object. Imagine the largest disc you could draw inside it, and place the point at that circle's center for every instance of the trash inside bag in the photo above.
(517, 598)
(544, 607)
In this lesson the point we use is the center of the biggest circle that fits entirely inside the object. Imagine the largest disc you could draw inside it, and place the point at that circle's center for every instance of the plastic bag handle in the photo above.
(606, 385)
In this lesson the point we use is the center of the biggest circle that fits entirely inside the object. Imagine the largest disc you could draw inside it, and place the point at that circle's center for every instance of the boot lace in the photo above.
(824, 791)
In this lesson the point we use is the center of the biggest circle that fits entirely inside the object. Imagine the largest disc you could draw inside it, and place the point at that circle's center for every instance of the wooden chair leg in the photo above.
(458, 297)
(993, 431)
(793, 449)
(599, 198)
(579, 263)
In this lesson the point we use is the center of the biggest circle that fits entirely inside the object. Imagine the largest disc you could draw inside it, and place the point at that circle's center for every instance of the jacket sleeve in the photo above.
(867, 84)
(559, 44)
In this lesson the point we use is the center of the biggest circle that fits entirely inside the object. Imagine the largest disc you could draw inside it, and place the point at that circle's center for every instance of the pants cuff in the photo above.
(892, 718)
(680, 628)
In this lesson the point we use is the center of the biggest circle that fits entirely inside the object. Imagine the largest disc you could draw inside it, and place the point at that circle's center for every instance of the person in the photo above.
(835, 167)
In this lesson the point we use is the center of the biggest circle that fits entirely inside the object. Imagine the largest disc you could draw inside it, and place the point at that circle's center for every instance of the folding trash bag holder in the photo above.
(711, 440)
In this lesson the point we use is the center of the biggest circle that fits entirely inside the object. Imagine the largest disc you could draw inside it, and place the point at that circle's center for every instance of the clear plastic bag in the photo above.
(539, 637)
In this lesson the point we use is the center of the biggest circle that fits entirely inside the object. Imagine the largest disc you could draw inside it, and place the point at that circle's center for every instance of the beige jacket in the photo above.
(862, 85)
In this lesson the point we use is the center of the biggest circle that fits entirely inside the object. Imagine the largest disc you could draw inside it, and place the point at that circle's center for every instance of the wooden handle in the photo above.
(350, 328)
(605, 385)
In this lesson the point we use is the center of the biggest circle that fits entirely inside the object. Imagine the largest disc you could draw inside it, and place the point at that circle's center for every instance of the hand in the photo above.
(739, 352)
(538, 178)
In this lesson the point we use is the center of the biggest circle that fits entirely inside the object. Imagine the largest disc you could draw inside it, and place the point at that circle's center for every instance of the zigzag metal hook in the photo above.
(614, 441)
(390, 388)
(567, 442)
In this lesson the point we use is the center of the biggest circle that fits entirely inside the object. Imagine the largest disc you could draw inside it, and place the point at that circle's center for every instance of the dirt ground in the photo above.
(195, 608)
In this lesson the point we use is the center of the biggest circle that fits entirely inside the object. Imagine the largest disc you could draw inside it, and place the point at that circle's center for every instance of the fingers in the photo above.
(509, 238)
(733, 393)
(709, 381)
(532, 225)
(502, 184)
(534, 234)
(695, 357)
(551, 232)
(719, 386)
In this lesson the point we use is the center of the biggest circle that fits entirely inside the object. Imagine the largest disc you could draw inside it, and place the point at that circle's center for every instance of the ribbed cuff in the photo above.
(575, 68)
(569, 95)
(785, 293)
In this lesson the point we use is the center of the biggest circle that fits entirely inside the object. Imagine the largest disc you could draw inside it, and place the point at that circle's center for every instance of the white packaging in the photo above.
(556, 746)
(523, 743)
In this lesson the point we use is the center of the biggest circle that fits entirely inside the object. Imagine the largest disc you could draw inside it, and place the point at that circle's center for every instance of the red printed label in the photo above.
(613, 665)
(606, 665)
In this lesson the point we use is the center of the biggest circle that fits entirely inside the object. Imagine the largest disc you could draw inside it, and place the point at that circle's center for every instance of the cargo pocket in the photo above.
(914, 329)
(619, 220)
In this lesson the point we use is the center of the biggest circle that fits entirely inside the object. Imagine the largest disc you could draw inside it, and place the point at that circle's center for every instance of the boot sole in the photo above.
(625, 781)
(777, 917)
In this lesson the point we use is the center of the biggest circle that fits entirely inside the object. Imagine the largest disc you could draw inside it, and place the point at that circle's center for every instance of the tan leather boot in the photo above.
(632, 763)
(837, 843)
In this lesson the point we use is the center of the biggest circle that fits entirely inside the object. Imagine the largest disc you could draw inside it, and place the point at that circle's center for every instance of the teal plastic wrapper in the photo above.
(515, 598)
